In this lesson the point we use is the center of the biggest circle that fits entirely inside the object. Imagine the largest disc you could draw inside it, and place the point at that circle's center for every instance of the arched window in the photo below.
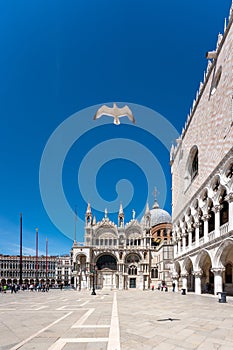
(228, 273)
(201, 228)
(211, 222)
(154, 272)
(224, 213)
(192, 166)
(193, 236)
(132, 270)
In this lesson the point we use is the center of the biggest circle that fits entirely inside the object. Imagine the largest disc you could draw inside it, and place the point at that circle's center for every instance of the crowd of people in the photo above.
(39, 287)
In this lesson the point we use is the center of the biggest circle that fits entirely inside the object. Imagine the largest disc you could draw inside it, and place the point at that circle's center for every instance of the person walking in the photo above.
(173, 286)
(13, 288)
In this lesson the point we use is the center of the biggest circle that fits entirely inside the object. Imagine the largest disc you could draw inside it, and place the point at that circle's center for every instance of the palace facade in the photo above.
(202, 180)
(51, 269)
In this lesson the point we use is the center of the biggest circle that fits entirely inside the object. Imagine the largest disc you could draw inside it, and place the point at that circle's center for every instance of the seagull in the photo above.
(115, 112)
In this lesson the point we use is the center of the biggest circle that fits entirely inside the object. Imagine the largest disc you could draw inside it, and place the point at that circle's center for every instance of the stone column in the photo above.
(206, 219)
(75, 282)
(179, 245)
(175, 278)
(197, 224)
(216, 210)
(198, 275)
(218, 271)
(183, 235)
(141, 286)
(121, 283)
(229, 198)
(190, 238)
(184, 277)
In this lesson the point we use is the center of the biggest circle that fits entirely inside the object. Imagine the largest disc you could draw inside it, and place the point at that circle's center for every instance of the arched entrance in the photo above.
(132, 277)
(81, 267)
(207, 278)
(190, 279)
(106, 272)
(224, 259)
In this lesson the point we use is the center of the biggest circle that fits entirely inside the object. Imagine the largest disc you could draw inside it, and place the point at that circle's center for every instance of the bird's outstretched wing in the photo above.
(104, 110)
(126, 111)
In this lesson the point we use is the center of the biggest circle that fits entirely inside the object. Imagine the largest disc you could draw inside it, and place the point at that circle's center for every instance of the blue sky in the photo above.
(65, 58)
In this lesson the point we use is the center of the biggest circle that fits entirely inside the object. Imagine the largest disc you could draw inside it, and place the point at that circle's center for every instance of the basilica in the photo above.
(124, 255)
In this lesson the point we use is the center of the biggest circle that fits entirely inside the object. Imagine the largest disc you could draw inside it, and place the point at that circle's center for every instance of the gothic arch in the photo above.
(132, 258)
(221, 256)
(200, 259)
(188, 264)
(177, 267)
(228, 174)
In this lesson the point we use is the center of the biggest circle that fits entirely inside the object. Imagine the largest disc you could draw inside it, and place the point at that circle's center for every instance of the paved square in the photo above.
(114, 320)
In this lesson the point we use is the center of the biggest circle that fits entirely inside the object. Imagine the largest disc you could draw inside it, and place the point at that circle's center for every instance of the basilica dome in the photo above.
(158, 216)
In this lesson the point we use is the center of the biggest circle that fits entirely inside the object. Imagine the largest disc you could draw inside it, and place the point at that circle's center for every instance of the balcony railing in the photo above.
(211, 235)
(224, 228)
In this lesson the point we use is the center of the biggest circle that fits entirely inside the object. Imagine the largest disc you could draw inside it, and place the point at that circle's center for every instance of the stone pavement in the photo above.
(114, 320)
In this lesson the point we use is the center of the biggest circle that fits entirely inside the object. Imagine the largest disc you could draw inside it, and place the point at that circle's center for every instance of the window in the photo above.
(191, 170)
(211, 222)
(194, 166)
(132, 270)
(224, 213)
(154, 272)
(167, 253)
(201, 228)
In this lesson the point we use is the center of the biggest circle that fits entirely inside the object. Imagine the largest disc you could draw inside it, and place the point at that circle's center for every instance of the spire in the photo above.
(88, 215)
(94, 220)
(147, 211)
(133, 214)
(225, 25)
(121, 216)
(88, 208)
(121, 209)
(156, 205)
(106, 213)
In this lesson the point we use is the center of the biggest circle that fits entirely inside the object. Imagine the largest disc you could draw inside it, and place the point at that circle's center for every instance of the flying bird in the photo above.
(115, 112)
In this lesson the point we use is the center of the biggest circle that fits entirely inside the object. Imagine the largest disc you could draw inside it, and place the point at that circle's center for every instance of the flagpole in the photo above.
(21, 252)
(36, 255)
(75, 223)
(46, 259)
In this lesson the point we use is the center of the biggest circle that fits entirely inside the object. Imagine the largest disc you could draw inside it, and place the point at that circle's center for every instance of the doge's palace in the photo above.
(202, 179)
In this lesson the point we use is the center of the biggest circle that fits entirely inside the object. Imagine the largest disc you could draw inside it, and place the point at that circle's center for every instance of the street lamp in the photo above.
(94, 271)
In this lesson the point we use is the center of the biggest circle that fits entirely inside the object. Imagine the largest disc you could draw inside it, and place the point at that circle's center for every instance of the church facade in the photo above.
(124, 255)
(202, 180)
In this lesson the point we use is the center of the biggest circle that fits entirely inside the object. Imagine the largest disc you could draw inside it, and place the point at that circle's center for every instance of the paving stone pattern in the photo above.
(114, 320)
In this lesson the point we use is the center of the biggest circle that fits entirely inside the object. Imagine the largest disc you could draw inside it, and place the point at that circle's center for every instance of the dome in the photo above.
(158, 216)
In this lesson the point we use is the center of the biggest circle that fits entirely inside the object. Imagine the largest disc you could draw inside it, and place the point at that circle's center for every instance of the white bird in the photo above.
(115, 112)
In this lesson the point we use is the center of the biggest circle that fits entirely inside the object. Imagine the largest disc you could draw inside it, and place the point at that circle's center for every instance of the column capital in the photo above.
(184, 275)
(217, 270)
(205, 217)
(217, 208)
(175, 275)
(229, 197)
(198, 273)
